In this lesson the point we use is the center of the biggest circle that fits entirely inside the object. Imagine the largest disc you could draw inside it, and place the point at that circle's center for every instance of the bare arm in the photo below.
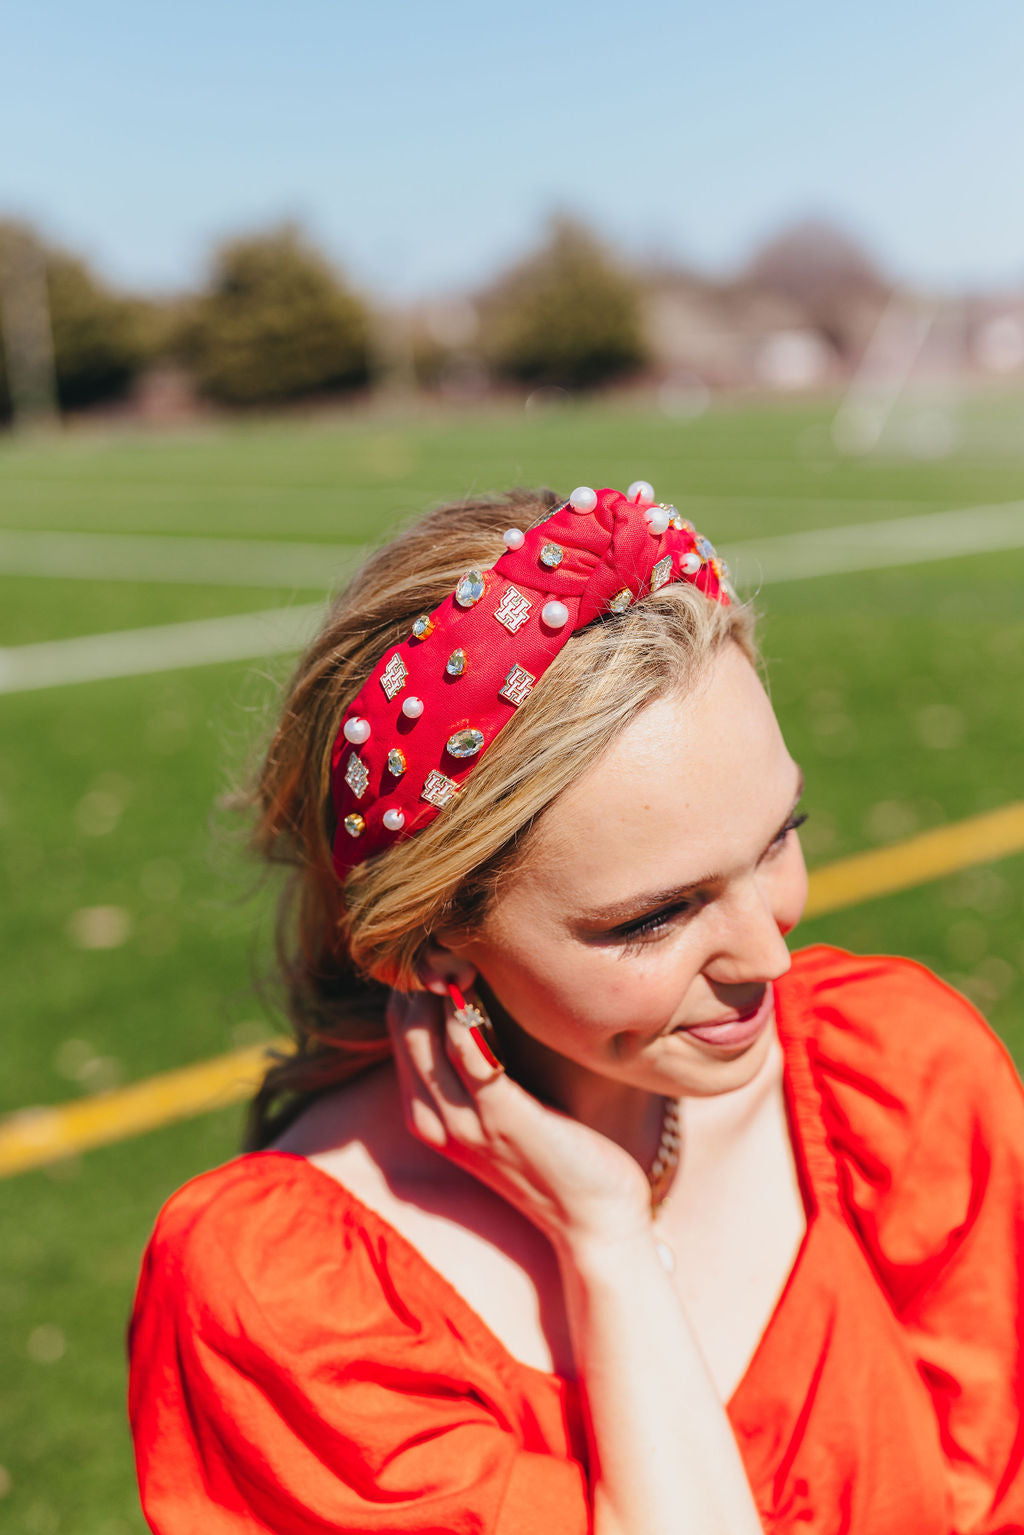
(663, 1453)
(664, 1458)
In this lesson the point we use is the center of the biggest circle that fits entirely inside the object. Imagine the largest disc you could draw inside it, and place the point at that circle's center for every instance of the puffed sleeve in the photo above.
(290, 1373)
(926, 1117)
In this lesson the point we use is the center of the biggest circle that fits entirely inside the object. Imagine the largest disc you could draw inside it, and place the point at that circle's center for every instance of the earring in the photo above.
(473, 1015)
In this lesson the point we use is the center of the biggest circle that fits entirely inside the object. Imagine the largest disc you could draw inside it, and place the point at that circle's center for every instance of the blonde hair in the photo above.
(341, 947)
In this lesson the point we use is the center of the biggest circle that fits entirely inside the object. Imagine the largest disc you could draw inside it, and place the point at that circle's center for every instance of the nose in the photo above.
(747, 944)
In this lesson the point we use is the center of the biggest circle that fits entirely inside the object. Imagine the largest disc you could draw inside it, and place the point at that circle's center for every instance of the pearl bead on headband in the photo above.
(435, 702)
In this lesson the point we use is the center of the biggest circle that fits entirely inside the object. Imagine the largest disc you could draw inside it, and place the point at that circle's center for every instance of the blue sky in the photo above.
(424, 144)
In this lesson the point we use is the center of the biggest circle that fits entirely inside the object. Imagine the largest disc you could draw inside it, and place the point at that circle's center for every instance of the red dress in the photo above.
(297, 1367)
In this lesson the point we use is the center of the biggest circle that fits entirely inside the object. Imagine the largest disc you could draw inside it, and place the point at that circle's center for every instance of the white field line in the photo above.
(161, 648)
(316, 567)
(874, 545)
(757, 562)
(192, 561)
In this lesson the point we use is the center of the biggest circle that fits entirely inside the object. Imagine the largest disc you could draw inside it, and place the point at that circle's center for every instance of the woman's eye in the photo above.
(638, 933)
(793, 824)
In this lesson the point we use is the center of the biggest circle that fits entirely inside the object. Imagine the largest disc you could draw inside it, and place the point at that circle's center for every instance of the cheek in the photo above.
(579, 997)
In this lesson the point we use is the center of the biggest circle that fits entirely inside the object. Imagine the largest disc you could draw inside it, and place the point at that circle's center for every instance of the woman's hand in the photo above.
(575, 1184)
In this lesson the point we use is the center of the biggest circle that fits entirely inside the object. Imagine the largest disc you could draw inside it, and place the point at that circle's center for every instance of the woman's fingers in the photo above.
(439, 1108)
(421, 1114)
(458, 1103)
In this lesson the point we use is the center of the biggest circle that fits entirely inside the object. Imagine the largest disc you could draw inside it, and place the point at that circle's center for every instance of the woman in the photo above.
(723, 1242)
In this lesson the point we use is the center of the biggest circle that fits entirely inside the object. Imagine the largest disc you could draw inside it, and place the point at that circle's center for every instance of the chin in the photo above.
(699, 1073)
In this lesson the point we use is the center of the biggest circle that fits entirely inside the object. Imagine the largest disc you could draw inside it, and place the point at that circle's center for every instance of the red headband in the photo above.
(436, 701)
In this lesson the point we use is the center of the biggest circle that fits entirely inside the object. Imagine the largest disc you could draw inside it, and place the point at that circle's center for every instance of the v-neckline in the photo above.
(471, 1323)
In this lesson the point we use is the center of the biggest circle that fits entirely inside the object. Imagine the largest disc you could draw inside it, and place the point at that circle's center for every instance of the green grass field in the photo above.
(899, 690)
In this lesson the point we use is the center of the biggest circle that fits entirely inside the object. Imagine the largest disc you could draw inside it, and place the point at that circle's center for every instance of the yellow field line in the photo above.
(33, 1137)
(978, 839)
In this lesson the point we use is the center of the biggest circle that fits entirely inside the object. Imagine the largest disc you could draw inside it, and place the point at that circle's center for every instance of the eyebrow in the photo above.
(646, 902)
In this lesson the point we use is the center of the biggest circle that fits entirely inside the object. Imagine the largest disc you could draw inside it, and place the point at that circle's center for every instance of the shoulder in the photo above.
(269, 1243)
(922, 1106)
(259, 1197)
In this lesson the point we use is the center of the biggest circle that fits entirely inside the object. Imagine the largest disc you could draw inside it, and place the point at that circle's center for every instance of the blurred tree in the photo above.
(828, 273)
(275, 324)
(567, 316)
(98, 340)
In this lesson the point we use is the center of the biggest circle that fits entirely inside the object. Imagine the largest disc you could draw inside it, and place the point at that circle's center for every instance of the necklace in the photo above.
(666, 1158)
(663, 1168)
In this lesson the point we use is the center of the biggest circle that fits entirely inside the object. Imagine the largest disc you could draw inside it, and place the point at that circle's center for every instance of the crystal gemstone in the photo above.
(465, 743)
(356, 775)
(470, 589)
(552, 555)
(456, 663)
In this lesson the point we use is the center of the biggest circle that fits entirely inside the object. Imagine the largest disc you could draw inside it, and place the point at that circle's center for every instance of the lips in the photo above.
(734, 1029)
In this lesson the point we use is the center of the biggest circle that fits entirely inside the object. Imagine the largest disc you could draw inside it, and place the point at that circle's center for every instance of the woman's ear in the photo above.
(436, 965)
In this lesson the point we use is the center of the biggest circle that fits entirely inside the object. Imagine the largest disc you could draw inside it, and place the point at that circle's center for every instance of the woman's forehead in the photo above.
(689, 785)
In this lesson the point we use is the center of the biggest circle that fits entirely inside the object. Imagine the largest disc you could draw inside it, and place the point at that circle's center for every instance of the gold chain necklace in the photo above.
(663, 1170)
(666, 1158)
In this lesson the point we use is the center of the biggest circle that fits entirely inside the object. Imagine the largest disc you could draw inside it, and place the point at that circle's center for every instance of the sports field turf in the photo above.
(899, 690)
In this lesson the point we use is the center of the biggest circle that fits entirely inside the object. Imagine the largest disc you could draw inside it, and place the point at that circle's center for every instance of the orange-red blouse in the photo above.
(297, 1367)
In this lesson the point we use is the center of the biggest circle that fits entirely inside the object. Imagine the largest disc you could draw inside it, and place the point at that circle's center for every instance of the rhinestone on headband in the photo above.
(356, 776)
(465, 743)
(470, 589)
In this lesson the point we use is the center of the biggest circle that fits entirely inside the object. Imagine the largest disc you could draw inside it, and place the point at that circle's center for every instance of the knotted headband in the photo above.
(436, 701)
